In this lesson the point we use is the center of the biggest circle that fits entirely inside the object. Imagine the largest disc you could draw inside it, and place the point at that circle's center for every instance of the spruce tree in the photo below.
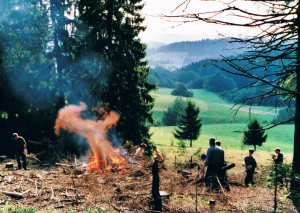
(255, 134)
(113, 27)
(191, 124)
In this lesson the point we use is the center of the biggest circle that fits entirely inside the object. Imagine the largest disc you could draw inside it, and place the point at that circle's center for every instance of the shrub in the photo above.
(181, 90)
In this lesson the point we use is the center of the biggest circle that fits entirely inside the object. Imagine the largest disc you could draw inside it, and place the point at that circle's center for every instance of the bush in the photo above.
(181, 90)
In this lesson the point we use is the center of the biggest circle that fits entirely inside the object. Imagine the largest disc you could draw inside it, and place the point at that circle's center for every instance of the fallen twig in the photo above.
(52, 197)
(12, 194)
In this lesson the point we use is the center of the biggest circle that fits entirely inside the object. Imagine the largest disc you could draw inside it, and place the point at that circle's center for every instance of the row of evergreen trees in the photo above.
(58, 52)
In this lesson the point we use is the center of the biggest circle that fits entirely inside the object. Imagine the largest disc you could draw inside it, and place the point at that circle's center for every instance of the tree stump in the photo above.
(155, 188)
(164, 194)
(9, 165)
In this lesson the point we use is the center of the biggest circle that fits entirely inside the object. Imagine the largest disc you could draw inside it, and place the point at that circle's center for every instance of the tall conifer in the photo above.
(255, 134)
(113, 29)
(191, 124)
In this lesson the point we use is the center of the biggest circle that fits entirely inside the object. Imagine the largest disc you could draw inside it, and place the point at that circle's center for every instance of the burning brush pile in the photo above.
(104, 156)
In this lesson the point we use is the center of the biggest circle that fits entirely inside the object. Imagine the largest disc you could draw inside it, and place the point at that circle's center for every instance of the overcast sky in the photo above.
(167, 31)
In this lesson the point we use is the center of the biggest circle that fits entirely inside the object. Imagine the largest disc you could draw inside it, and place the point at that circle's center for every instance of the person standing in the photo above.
(250, 164)
(223, 174)
(279, 160)
(214, 161)
(21, 151)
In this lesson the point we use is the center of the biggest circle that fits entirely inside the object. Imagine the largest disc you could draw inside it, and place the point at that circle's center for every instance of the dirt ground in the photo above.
(58, 188)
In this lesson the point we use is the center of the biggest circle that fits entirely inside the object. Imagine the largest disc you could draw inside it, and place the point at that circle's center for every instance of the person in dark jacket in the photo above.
(250, 164)
(214, 161)
(20, 146)
(279, 160)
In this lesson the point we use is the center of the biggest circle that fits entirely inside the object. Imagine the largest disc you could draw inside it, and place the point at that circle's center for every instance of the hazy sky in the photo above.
(167, 31)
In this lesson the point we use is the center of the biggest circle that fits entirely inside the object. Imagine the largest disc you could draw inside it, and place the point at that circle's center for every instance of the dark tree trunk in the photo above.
(57, 55)
(155, 188)
(191, 143)
(296, 157)
(110, 5)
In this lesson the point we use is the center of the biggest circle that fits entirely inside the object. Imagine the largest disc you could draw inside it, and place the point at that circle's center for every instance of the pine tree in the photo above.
(113, 30)
(255, 134)
(191, 124)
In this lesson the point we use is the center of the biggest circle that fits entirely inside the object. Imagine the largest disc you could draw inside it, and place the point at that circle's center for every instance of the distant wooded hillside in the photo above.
(179, 54)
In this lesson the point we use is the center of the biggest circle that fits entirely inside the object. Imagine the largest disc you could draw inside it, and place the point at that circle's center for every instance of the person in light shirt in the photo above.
(140, 151)
(159, 158)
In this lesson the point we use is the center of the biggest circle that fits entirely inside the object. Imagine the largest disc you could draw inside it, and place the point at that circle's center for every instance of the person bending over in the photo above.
(21, 151)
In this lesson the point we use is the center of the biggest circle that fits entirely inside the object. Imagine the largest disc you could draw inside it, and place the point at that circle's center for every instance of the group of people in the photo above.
(214, 161)
(158, 156)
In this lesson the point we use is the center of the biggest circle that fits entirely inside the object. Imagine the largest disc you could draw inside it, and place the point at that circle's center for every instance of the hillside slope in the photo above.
(219, 122)
(214, 110)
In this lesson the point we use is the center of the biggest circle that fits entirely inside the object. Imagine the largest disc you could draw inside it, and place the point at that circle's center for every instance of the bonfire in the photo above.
(105, 157)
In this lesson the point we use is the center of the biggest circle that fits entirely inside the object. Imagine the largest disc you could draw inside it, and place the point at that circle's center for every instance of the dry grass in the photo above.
(55, 190)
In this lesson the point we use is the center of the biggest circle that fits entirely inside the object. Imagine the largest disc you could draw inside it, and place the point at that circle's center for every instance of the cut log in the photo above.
(184, 172)
(164, 194)
(212, 202)
(12, 194)
(230, 166)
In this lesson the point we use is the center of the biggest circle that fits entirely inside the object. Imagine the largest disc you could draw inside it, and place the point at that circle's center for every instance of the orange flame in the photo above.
(104, 154)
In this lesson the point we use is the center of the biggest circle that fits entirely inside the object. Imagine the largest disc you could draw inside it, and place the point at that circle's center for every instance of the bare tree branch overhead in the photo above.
(273, 49)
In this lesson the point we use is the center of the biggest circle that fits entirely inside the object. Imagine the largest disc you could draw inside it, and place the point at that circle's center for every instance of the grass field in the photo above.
(218, 122)
(211, 112)
(280, 136)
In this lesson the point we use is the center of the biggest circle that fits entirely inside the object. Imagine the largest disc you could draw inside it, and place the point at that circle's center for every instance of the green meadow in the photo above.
(220, 122)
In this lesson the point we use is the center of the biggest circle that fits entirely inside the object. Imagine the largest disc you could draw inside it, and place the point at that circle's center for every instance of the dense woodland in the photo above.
(55, 53)
(205, 75)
